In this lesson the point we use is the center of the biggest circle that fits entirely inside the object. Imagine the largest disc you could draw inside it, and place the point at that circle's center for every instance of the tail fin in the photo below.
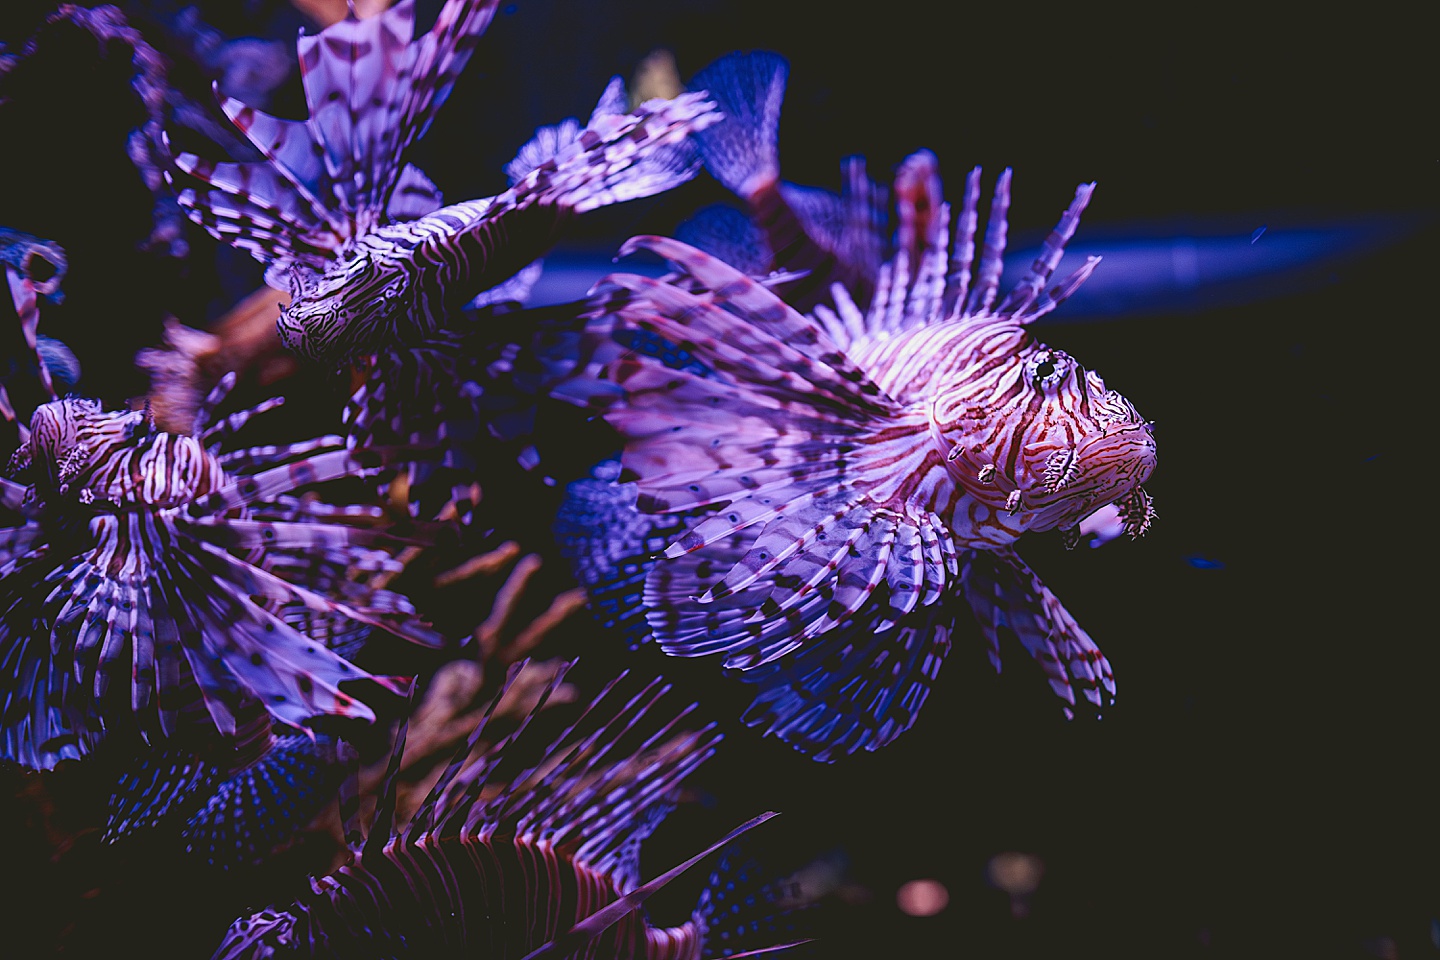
(153, 788)
(612, 547)
(818, 235)
(860, 687)
(743, 152)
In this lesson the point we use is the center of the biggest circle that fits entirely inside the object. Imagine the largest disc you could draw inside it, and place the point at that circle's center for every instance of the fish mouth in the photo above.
(1103, 468)
(1124, 452)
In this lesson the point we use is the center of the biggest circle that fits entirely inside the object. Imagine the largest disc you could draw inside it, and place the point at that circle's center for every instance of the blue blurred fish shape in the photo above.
(522, 856)
(140, 585)
(851, 481)
(814, 236)
(230, 815)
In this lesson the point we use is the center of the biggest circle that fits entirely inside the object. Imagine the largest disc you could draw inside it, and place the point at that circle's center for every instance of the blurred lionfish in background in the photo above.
(525, 855)
(833, 489)
(378, 269)
(237, 809)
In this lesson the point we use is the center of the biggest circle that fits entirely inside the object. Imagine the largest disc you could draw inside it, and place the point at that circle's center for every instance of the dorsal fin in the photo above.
(597, 788)
(371, 90)
(422, 819)
(464, 799)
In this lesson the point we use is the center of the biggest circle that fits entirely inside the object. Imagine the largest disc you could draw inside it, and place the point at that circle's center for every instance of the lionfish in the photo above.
(504, 859)
(803, 239)
(378, 269)
(362, 242)
(154, 574)
(833, 489)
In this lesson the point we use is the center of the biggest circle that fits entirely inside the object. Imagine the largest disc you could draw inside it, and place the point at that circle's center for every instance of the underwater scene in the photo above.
(705, 478)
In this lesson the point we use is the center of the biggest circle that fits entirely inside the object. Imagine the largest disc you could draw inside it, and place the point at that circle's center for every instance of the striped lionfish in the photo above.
(375, 265)
(149, 577)
(504, 860)
(833, 489)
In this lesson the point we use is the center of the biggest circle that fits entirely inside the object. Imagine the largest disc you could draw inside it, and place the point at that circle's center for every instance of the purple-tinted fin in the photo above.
(1010, 601)
(856, 689)
(742, 152)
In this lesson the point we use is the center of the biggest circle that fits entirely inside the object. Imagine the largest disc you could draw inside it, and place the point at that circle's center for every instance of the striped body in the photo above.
(1001, 406)
(80, 450)
(400, 283)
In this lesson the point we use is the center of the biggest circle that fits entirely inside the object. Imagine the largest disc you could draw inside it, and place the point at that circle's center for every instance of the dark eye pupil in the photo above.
(1045, 370)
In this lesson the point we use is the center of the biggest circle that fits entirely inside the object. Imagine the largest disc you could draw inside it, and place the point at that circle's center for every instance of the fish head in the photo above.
(345, 311)
(260, 935)
(1045, 444)
(66, 436)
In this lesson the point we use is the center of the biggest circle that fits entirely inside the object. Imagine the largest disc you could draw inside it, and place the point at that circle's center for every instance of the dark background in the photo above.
(1264, 785)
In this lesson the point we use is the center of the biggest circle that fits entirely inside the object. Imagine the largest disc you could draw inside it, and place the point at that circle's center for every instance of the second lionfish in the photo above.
(379, 269)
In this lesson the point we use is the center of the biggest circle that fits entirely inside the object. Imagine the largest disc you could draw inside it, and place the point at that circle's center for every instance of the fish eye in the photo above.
(1048, 368)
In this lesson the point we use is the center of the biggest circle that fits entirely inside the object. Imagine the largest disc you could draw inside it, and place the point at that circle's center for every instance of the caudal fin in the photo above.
(743, 151)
